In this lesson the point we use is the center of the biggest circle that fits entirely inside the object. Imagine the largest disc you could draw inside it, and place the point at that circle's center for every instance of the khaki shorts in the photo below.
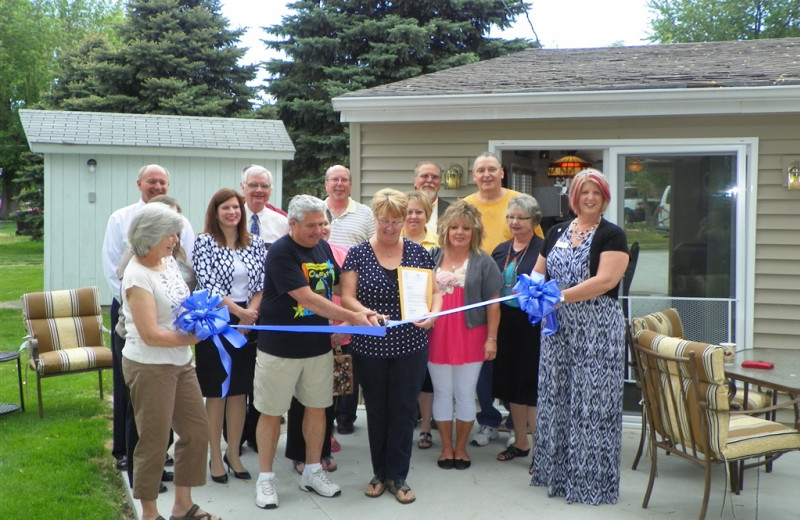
(278, 379)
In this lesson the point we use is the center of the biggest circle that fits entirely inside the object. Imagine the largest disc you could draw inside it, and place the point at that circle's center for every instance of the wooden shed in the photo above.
(90, 164)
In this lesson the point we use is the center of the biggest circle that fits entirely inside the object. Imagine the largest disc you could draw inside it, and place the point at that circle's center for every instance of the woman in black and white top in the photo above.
(229, 262)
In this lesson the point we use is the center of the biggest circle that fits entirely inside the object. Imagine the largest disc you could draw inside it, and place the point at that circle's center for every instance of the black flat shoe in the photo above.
(167, 476)
(462, 464)
(446, 463)
(169, 461)
(122, 463)
(219, 479)
(162, 488)
(242, 475)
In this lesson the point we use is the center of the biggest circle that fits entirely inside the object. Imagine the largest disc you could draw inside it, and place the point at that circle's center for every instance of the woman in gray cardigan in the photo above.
(460, 342)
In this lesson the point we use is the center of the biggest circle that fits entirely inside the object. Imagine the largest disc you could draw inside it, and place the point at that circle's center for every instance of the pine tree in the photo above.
(339, 46)
(176, 57)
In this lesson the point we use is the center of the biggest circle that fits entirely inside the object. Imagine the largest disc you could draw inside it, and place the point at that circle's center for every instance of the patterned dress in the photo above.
(579, 422)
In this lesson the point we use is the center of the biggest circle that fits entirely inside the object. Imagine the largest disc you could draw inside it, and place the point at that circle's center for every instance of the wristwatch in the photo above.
(561, 299)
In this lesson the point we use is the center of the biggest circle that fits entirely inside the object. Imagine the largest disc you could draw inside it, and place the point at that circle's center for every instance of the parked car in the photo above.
(637, 207)
(662, 211)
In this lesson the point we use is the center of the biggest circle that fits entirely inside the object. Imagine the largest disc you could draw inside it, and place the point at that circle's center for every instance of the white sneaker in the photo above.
(319, 482)
(512, 438)
(266, 494)
(484, 435)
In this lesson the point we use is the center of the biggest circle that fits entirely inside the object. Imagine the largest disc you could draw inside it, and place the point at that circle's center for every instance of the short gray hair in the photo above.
(143, 169)
(302, 204)
(255, 169)
(150, 225)
(528, 205)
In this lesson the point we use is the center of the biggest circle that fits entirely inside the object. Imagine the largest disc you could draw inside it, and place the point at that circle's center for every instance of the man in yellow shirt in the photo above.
(491, 199)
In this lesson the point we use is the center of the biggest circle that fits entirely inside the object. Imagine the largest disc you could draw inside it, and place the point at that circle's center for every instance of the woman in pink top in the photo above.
(460, 342)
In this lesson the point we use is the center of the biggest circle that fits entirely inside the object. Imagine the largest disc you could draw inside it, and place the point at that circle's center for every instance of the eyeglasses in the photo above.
(390, 223)
(518, 219)
(430, 177)
(255, 186)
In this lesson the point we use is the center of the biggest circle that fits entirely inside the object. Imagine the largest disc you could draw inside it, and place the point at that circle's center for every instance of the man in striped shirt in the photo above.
(351, 224)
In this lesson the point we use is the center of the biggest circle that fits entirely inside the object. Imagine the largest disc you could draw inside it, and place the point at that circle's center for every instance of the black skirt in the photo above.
(516, 368)
(211, 373)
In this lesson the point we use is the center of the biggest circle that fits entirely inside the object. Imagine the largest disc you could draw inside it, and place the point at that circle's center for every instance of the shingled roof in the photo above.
(750, 63)
(49, 127)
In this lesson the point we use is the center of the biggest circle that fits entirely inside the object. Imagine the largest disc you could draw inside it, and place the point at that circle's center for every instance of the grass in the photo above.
(647, 236)
(60, 466)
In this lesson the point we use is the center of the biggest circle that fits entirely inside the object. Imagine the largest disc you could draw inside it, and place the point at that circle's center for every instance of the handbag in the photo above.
(342, 373)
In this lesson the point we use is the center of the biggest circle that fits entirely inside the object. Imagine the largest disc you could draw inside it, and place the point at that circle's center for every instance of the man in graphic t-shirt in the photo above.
(300, 279)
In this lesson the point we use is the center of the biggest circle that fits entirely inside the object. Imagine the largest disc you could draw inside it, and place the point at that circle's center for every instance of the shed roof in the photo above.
(51, 127)
(748, 63)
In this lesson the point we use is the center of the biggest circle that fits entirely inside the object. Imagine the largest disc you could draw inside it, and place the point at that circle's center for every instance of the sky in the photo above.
(560, 24)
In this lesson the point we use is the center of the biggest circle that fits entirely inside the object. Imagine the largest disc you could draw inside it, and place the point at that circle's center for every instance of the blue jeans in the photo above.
(488, 414)
(391, 387)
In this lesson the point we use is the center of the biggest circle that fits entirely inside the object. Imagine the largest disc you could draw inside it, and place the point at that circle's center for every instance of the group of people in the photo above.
(271, 268)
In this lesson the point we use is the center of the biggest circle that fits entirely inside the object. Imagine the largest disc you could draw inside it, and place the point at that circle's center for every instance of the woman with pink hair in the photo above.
(579, 422)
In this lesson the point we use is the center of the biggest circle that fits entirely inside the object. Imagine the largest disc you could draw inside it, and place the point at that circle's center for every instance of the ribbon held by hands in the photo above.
(538, 299)
(208, 319)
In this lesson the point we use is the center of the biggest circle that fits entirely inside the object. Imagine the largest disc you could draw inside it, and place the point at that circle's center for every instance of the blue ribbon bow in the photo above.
(207, 319)
(538, 299)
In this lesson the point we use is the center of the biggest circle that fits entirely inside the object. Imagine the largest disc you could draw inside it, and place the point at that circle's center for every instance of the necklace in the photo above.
(513, 258)
(580, 236)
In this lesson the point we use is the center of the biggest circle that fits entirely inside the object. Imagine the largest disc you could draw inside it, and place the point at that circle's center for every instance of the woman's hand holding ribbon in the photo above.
(538, 299)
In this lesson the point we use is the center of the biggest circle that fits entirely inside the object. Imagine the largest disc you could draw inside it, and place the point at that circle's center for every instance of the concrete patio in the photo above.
(491, 489)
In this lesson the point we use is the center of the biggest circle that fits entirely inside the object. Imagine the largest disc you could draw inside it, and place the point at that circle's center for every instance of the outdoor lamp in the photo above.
(793, 176)
(92, 165)
(452, 177)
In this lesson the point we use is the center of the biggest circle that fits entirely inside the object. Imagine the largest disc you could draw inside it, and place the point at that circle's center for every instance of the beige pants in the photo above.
(164, 397)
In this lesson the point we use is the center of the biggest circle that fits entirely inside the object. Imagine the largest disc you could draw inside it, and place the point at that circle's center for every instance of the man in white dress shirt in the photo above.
(271, 222)
(152, 180)
(428, 180)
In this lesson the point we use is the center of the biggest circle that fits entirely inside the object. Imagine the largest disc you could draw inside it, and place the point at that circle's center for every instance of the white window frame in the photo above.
(746, 151)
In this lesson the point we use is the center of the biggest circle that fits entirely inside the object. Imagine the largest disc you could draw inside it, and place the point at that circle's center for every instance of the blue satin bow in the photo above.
(207, 319)
(538, 299)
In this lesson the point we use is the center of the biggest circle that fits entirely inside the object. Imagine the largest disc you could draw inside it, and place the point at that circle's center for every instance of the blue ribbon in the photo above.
(538, 299)
(326, 329)
(207, 318)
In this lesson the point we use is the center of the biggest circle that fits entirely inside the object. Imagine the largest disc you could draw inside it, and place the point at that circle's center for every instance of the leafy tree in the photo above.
(681, 21)
(339, 46)
(33, 33)
(176, 57)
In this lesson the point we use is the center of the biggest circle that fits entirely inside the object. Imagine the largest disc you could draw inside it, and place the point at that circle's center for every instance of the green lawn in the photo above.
(60, 466)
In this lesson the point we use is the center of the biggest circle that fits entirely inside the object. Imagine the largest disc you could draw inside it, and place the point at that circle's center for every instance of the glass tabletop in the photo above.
(784, 376)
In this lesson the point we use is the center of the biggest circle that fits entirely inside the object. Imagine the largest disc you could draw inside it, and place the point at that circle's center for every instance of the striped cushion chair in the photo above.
(65, 335)
(686, 397)
(668, 323)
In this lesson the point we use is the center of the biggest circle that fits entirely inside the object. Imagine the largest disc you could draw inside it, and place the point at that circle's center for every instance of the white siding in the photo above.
(75, 227)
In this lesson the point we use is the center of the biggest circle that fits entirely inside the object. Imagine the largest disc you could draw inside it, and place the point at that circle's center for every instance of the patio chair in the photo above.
(666, 322)
(686, 397)
(65, 335)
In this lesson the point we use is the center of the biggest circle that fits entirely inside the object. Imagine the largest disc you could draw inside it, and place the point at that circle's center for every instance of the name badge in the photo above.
(562, 245)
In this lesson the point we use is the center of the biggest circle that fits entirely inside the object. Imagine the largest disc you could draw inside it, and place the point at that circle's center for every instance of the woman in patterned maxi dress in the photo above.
(579, 423)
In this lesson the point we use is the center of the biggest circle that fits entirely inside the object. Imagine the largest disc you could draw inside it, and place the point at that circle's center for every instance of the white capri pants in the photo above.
(457, 381)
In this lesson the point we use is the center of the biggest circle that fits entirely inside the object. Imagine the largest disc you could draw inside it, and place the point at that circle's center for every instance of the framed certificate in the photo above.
(416, 291)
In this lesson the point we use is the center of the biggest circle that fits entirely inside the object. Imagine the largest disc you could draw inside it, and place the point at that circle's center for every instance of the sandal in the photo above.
(530, 470)
(512, 452)
(378, 487)
(425, 440)
(328, 464)
(400, 486)
(299, 466)
(191, 515)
